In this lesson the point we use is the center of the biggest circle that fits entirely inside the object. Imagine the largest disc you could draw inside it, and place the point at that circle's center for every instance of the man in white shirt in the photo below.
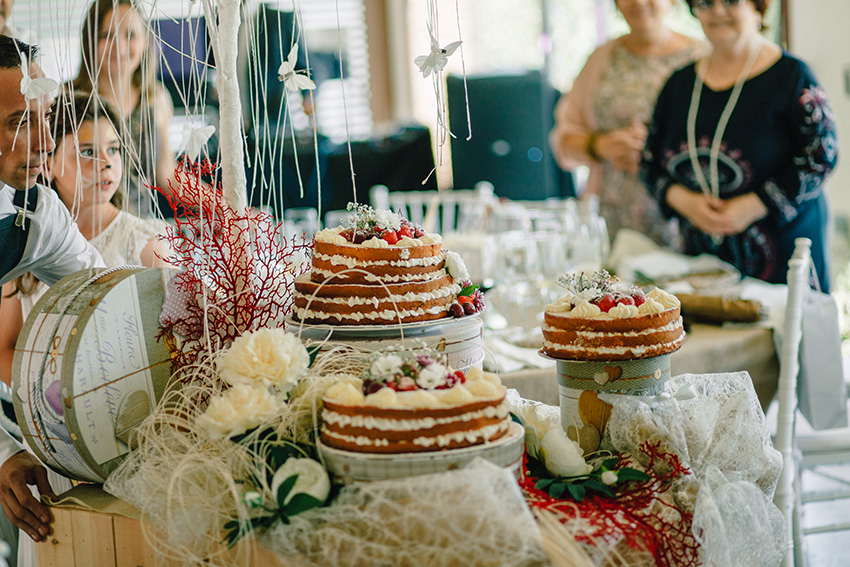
(37, 234)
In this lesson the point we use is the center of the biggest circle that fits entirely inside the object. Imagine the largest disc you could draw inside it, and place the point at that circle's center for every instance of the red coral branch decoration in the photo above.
(238, 267)
(639, 516)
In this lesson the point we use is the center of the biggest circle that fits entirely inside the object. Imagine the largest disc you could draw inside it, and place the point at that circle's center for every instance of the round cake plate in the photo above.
(351, 466)
(342, 331)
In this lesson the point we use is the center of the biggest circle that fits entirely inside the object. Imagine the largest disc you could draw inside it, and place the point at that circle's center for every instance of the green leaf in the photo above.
(557, 489)
(515, 418)
(600, 487)
(279, 454)
(609, 464)
(313, 354)
(301, 503)
(626, 473)
(284, 488)
(577, 491)
(536, 468)
(544, 483)
(468, 290)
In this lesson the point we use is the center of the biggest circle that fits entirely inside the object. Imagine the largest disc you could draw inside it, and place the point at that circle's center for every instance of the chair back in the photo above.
(789, 368)
(436, 211)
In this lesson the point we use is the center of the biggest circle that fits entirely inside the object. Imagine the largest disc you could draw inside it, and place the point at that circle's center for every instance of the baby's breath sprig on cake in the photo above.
(576, 283)
(364, 223)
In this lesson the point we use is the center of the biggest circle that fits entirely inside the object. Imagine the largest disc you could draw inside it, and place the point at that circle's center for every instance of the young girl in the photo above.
(117, 64)
(86, 172)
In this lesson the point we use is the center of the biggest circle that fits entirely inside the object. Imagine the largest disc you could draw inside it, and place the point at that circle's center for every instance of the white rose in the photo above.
(561, 455)
(456, 266)
(386, 366)
(609, 477)
(432, 376)
(268, 357)
(237, 410)
(312, 479)
(387, 220)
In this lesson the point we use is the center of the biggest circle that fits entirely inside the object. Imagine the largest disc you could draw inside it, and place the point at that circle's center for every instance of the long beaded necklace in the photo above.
(712, 189)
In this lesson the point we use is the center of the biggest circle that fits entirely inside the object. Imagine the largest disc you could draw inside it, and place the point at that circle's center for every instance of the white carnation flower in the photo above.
(268, 357)
(432, 376)
(387, 220)
(456, 266)
(561, 455)
(238, 410)
(386, 366)
(312, 479)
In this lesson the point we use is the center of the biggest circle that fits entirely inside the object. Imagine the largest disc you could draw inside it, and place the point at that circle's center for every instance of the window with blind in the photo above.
(330, 31)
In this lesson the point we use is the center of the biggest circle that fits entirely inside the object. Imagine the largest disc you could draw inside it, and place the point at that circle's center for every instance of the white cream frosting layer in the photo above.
(473, 436)
(671, 326)
(402, 278)
(384, 315)
(446, 291)
(351, 262)
(384, 424)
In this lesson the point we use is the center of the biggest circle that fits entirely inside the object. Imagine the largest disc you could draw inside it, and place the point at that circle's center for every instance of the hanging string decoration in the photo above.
(432, 65)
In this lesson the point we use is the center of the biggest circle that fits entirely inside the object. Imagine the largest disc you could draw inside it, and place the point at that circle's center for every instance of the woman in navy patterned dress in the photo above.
(739, 147)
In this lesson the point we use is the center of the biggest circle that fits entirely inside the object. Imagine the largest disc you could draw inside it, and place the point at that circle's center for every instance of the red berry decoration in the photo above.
(459, 376)
(390, 236)
(456, 310)
(464, 299)
(406, 383)
(405, 230)
(625, 300)
(606, 302)
(639, 298)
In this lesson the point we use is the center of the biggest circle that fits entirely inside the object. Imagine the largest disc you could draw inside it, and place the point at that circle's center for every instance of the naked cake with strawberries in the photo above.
(409, 400)
(600, 319)
(378, 268)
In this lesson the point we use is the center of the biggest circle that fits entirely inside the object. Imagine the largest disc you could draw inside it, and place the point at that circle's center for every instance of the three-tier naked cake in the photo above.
(378, 268)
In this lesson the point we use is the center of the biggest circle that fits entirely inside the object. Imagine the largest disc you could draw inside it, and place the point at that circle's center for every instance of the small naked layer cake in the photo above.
(409, 400)
(380, 269)
(602, 320)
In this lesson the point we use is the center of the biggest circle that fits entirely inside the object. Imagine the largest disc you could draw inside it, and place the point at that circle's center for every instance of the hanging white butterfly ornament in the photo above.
(194, 137)
(35, 88)
(435, 61)
(292, 80)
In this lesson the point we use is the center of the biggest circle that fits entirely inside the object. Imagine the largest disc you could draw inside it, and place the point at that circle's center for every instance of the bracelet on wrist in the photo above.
(590, 147)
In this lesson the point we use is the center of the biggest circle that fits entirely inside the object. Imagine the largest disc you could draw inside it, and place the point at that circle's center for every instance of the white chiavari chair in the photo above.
(810, 453)
(435, 211)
